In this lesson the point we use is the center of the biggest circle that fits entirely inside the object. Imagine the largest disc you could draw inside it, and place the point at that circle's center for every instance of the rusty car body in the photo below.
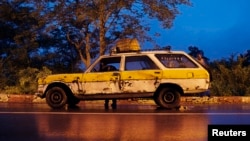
(163, 75)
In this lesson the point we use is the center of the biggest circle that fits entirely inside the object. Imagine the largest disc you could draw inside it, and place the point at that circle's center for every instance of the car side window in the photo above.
(139, 63)
(107, 64)
(175, 61)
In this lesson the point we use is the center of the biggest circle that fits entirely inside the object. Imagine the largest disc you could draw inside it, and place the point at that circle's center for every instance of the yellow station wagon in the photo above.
(163, 75)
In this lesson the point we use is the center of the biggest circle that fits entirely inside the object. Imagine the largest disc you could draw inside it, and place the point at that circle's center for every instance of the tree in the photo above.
(94, 25)
(59, 33)
(17, 38)
(199, 54)
(247, 58)
(194, 51)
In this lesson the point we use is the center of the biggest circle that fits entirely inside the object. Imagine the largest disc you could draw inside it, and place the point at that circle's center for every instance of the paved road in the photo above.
(133, 122)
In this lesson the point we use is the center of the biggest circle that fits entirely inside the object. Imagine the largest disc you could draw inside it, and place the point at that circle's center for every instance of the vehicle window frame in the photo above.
(145, 59)
(113, 61)
(175, 61)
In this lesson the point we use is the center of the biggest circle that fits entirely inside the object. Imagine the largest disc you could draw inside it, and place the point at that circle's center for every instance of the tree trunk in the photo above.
(102, 28)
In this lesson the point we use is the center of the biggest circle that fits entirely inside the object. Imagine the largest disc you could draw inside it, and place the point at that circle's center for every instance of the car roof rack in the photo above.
(166, 48)
(115, 51)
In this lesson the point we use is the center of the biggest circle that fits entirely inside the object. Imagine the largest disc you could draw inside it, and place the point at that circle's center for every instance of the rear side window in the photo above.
(139, 63)
(175, 61)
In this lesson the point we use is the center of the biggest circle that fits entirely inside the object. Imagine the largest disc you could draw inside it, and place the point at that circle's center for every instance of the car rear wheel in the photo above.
(56, 97)
(168, 98)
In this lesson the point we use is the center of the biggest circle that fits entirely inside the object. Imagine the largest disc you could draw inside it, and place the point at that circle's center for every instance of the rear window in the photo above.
(176, 61)
(139, 63)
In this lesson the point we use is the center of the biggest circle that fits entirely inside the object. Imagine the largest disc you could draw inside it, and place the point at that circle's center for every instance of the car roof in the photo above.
(144, 52)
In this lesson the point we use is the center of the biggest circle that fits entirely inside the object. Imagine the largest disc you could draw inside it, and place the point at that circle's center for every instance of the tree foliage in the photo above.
(63, 34)
(194, 51)
(94, 25)
(17, 39)
(231, 76)
(27, 78)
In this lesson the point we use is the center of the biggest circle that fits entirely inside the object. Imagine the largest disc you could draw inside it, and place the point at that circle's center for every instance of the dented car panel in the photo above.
(106, 83)
(66, 78)
(140, 80)
(185, 74)
(73, 81)
(189, 87)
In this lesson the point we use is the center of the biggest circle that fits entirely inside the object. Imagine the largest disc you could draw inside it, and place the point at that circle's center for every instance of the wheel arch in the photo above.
(61, 85)
(170, 85)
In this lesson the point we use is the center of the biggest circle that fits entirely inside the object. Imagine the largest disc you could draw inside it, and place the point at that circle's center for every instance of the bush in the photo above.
(27, 81)
(11, 90)
(231, 78)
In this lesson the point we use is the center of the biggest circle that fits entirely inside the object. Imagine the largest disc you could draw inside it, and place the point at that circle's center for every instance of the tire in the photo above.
(72, 101)
(156, 100)
(168, 98)
(56, 98)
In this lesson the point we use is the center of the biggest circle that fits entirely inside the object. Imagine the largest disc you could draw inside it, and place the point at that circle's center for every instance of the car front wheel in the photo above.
(168, 98)
(56, 97)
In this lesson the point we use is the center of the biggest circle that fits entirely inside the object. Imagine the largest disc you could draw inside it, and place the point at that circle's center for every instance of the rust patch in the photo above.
(105, 89)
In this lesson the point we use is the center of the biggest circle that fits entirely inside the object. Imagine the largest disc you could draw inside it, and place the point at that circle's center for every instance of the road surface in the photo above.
(136, 122)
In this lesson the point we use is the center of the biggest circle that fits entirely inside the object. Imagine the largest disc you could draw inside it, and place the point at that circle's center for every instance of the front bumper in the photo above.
(40, 91)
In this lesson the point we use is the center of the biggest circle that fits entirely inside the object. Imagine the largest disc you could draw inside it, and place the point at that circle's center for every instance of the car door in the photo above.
(104, 77)
(140, 75)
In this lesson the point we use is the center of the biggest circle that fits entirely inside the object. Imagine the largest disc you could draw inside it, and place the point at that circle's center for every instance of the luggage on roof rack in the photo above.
(127, 45)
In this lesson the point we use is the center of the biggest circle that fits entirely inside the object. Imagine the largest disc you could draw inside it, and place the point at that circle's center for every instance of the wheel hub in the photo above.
(169, 97)
(56, 98)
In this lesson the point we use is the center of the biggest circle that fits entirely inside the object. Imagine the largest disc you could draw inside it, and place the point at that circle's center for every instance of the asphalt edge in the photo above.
(23, 98)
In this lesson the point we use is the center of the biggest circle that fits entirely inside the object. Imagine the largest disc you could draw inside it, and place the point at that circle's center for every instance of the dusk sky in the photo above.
(218, 27)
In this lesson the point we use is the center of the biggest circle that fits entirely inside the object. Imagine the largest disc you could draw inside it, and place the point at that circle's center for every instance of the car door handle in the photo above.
(157, 72)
